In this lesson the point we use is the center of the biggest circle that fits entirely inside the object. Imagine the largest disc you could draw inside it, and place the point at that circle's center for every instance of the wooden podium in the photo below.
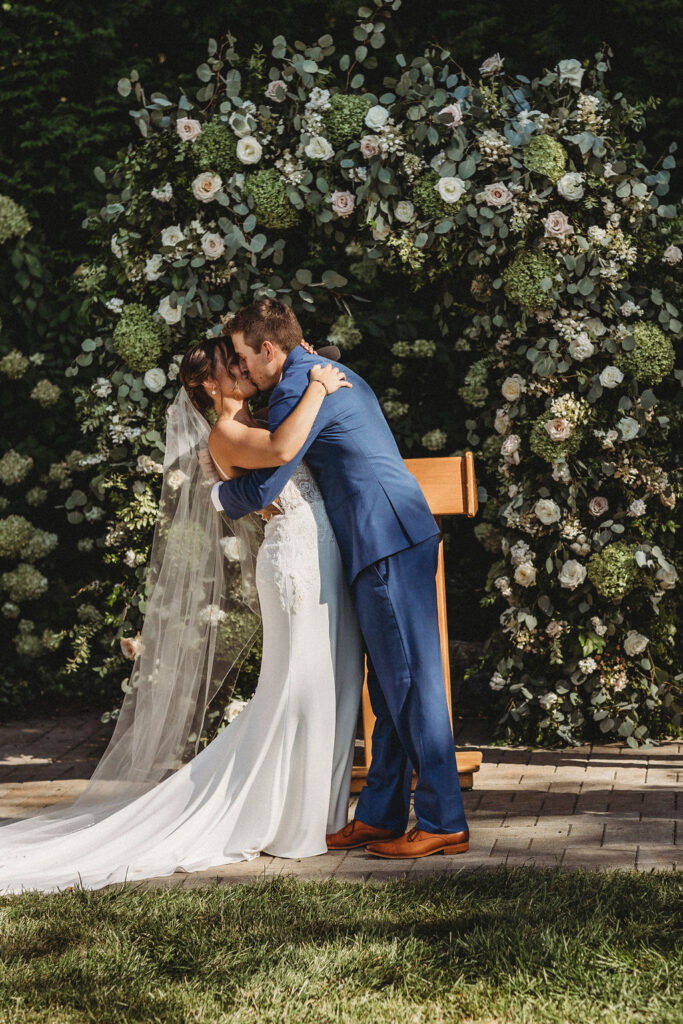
(450, 487)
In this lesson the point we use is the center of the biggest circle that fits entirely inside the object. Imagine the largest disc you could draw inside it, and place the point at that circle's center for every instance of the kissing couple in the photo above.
(345, 567)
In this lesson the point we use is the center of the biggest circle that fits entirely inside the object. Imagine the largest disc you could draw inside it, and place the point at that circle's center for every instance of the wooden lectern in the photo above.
(450, 487)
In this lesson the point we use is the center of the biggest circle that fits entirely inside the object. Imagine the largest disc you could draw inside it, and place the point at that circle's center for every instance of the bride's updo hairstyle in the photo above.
(199, 363)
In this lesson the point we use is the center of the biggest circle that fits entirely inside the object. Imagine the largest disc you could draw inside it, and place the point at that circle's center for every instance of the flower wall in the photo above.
(498, 257)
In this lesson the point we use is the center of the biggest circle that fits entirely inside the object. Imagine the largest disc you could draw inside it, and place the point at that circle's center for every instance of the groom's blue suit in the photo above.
(389, 543)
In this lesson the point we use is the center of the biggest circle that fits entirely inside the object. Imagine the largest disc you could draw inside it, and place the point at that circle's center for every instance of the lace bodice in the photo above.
(300, 489)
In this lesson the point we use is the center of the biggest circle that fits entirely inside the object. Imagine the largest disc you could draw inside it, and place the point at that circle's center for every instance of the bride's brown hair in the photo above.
(199, 363)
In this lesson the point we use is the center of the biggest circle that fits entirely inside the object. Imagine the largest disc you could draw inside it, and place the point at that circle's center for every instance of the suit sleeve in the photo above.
(259, 488)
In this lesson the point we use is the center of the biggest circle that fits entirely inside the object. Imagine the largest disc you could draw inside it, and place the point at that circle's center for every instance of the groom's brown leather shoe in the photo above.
(356, 834)
(418, 843)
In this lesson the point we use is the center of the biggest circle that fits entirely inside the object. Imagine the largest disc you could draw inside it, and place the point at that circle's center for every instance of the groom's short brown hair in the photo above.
(267, 319)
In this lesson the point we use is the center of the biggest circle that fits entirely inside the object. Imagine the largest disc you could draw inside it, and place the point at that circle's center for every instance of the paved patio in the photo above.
(596, 807)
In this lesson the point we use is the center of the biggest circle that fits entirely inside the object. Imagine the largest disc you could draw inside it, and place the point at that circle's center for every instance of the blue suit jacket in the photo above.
(375, 505)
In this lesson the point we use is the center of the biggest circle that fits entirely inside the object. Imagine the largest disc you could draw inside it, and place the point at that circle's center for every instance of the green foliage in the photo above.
(525, 278)
(345, 117)
(613, 571)
(652, 357)
(216, 149)
(545, 155)
(272, 206)
(137, 337)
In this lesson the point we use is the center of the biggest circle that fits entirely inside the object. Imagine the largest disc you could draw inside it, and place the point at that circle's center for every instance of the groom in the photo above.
(389, 544)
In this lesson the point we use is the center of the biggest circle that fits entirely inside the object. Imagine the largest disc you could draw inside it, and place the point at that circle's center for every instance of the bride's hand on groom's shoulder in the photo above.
(330, 377)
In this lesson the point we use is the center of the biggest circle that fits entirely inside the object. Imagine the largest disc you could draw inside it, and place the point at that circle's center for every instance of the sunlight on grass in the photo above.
(513, 946)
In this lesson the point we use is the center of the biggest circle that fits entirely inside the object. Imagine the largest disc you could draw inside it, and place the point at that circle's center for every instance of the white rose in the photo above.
(172, 235)
(249, 150)
(570, 185)
(169, 313)
(557, 225)
(369, 146)
(176, 478)
(213, 245)
(233, 709)
(558, 429)
(206, 186)
(319, 149)
(525, 574)
(637, 508)
(450, 189)
(497, 194)
(492, 64)
(277, 90)
(377, 116)
(666, 576)
(187, 128)
(547, 510)
(153, 269)
(635, 643)
(232, 548)
(581, 347)
(510, 449)
(672, 255)
(512, 387)
(454, 111)
(570, 72)
(497, 681)
(611, 376)
(628, 427)
(405, 211)
(572, 574)
(155, 379)
(502, 422)
(343, 203)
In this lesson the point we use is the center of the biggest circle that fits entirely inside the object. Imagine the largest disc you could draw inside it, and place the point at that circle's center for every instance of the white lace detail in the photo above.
(290, 546)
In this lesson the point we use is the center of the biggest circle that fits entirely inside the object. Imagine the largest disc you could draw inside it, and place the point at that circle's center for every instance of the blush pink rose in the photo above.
(557, 225)
(558, 429)
(454, 111)
(187, 128)
(598, 505)
(369, 146)
(497, 194)
(131, 646)
(343, 203)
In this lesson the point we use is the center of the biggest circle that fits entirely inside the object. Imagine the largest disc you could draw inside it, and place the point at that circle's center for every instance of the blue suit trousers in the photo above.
(396, 604)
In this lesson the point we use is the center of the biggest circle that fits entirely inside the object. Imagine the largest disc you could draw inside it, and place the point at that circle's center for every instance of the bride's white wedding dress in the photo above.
(277, 778)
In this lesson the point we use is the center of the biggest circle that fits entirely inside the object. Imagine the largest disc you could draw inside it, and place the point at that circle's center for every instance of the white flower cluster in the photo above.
(569, 407)
(493, 147)
(588, 111)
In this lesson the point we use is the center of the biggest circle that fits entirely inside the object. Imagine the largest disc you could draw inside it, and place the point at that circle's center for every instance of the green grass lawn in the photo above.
(523, 945)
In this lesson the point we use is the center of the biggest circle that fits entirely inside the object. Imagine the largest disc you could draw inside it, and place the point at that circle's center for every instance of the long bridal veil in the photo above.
(201, 615)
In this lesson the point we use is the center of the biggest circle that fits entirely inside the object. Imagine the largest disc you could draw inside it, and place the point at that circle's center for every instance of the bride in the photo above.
(276, 779)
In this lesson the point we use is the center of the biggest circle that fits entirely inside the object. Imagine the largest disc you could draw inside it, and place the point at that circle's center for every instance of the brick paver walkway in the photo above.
(587, 807)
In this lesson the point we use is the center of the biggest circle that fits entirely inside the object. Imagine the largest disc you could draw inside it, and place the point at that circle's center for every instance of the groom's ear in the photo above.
(268, 350)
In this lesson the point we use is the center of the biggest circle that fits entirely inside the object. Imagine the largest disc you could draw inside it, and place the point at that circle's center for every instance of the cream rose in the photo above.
(635, 643)
(450, 189)
(628, 427)
(611, 376)
(557, 225)
(512, 387)
(502, 422)
(213, 245)
(558, 429)
(377, 116)
(168, 312)
(672, 255)
(598, 505)
(176, 478)
(454, 112)
(525, 574)
(206, 186)
(155, 379)
(492, 65)
(405, 211)
(570, 185)
(343, 203)
(547, 510)
(570, 72)
(188, 129)
(572, 574)
(497, 194)
(277, 90)
(319, 149)
(509, 449)
(581, 347)
(369, 146)
(249, 150)
(172, 235)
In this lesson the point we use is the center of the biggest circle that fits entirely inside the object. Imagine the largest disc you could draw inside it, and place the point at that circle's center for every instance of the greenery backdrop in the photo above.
(53, 314)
